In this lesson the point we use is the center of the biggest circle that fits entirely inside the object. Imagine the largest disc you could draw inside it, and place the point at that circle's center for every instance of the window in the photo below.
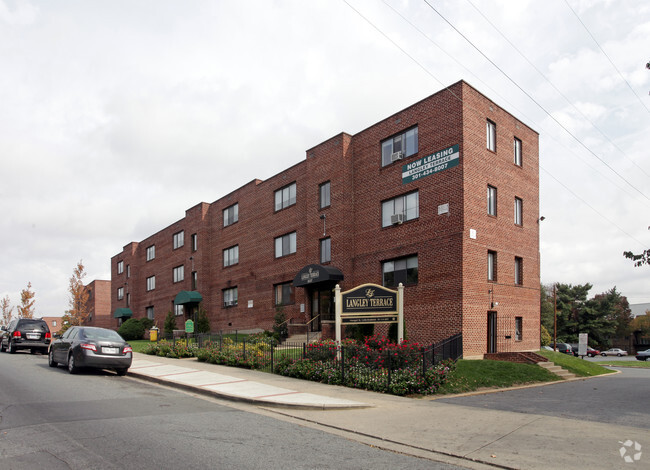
(519, 323)
(150, 314)
(151, 252)
(284, 294)
(517, 152)
(492, 266)
(178, 310)
(120, 293)
(285, 245)
(400, 209)
(519, 270)
(231, 256)
(179, 239)
(195, 241)
(404, 270)
(53, 322)
(179, 273)
(492, 200)
(151, 283)
(400, 146)
(128, 299)
(491, 136)
(120, 267)
(128, 270)
(195, 280)
(285, 197)
(231, 215)
(230, 297)
(519, 220)
(326, 250)
(324, 195)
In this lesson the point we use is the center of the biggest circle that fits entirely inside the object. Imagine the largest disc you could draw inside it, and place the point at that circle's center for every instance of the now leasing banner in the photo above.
(434, 163)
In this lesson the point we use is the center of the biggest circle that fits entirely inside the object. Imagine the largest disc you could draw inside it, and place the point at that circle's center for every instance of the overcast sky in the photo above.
(117, 116)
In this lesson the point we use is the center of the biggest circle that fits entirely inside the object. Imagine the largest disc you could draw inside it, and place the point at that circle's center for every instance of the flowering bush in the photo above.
(246, 355)
(168, 349)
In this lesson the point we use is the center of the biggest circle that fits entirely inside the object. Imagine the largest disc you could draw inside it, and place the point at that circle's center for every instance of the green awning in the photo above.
(122, 313)
(187, 297)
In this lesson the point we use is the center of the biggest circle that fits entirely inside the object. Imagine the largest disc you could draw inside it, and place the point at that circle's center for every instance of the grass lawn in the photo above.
(473, 375)
(640, 364)
(139, 344)
(578, 366)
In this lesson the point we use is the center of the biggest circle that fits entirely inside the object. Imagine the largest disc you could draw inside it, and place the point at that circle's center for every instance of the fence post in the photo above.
(389, 372)
(272, 365)
(424, 366)
(304, 351)
(244, 348)
(342, 364)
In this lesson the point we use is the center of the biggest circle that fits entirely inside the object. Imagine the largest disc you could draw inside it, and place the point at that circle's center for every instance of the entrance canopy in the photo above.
(316, 274)
(123, 313)
(188, 297)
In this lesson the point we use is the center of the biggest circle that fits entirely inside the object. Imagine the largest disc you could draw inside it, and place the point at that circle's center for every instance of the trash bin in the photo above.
(153, 334)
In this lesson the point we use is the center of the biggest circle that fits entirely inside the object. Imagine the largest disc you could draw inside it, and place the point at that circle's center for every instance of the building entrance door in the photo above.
(321, 307)
(492, 332)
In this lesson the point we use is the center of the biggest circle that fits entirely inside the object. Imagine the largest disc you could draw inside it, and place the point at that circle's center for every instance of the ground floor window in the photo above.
(519, 323)
(178, 310)
(284, 294)
(230, 297)
(150, 313)
(404, 270)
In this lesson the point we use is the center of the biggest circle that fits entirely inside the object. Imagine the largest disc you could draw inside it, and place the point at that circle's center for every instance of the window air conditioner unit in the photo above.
(397, 219)
(229, 303)
(396, 156)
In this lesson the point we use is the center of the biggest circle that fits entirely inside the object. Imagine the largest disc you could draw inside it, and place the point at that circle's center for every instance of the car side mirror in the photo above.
(4, 328)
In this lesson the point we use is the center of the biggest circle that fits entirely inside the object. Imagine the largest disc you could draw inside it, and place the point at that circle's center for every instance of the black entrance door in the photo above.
(492, 332)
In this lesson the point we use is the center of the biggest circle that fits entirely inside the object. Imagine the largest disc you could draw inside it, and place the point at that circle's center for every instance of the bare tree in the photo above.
(6, 310)
(26, 307)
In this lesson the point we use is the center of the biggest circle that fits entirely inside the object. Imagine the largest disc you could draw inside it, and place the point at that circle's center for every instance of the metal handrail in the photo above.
(307, 325)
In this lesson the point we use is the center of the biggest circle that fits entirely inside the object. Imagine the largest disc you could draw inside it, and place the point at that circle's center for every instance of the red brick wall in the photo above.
(452, 290)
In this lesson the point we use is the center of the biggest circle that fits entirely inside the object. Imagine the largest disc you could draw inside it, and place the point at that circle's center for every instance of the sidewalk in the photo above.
(461, 435)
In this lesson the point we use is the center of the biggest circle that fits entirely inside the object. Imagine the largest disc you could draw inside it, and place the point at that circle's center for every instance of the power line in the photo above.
(535, 101)
(608, 58)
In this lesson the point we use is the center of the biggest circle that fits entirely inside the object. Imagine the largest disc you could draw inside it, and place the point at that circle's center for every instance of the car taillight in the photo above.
(16, 334)
(127, 349)
(90, 347)
(48, 335)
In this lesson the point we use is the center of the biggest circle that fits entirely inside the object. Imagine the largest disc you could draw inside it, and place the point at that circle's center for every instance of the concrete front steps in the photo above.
(557, 370)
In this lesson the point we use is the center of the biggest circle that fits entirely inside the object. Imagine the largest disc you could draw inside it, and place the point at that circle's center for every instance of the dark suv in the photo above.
(26, 333)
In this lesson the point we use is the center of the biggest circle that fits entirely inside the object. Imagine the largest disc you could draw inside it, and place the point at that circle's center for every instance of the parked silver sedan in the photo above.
(84, 346)
(643, 355)
(614, 352)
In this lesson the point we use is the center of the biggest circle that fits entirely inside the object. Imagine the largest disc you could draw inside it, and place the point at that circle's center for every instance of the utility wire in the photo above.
(608, 58)
(535, 101)
(555, 88)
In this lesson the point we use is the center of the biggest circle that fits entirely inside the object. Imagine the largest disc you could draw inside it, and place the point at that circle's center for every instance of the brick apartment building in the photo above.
(99, 305)
(442, 196)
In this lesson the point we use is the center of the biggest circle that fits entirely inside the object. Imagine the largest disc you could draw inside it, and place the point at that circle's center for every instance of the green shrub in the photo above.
(169, 325)
(131, 329)
(202, 322)
(147, 323)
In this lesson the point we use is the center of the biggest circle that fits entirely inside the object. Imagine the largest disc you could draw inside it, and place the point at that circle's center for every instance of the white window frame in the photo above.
(402, 266)
(405, 142)
(519, 211)
(324, 194)
(231, 256)
(150, 312)
(151, 252)
(151, 283)
(283, 290)
(491, 130)
(120, 267)
(120, 293)
(194, 240)
(230, 297)
(519, 326)
(326, 250)
(179, 239)
(517, 150)
(178, 310)
(407, 204)
(492, 266)
(178, 274)
(492, 200)
(519, 271)
(285, 197)
(288, 242)
(231, 214)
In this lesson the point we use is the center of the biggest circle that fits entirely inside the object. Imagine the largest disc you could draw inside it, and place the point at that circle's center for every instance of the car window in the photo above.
(69, 333)
(99, 334)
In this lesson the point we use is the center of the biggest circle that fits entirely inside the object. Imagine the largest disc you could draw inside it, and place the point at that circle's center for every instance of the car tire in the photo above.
(604, 355)
(2, 347)
(50, 359)
(12, 349)
(619, 355)
(72, 367)
(121, 372)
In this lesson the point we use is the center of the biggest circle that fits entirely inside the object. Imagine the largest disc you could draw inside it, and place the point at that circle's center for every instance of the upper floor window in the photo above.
(285, 245)
(517, 152)
(231, 215)
(284, 294)
(151, 283)
(150, 314)
(120, 267)
(128, 299)
(231, 256)
(491, 200)
(195, 241)
(195, 280)
(400, 209)
(400, 146)
(179, 239)
(404, 270)
(519, 205)
(128, 270)
(151, 252)
(519, 271)
(120, 293)
(230, 297)
(326, 250)
(179, 273)
(491, 136)
(492, 266)
(285, 197)
(324, 195)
